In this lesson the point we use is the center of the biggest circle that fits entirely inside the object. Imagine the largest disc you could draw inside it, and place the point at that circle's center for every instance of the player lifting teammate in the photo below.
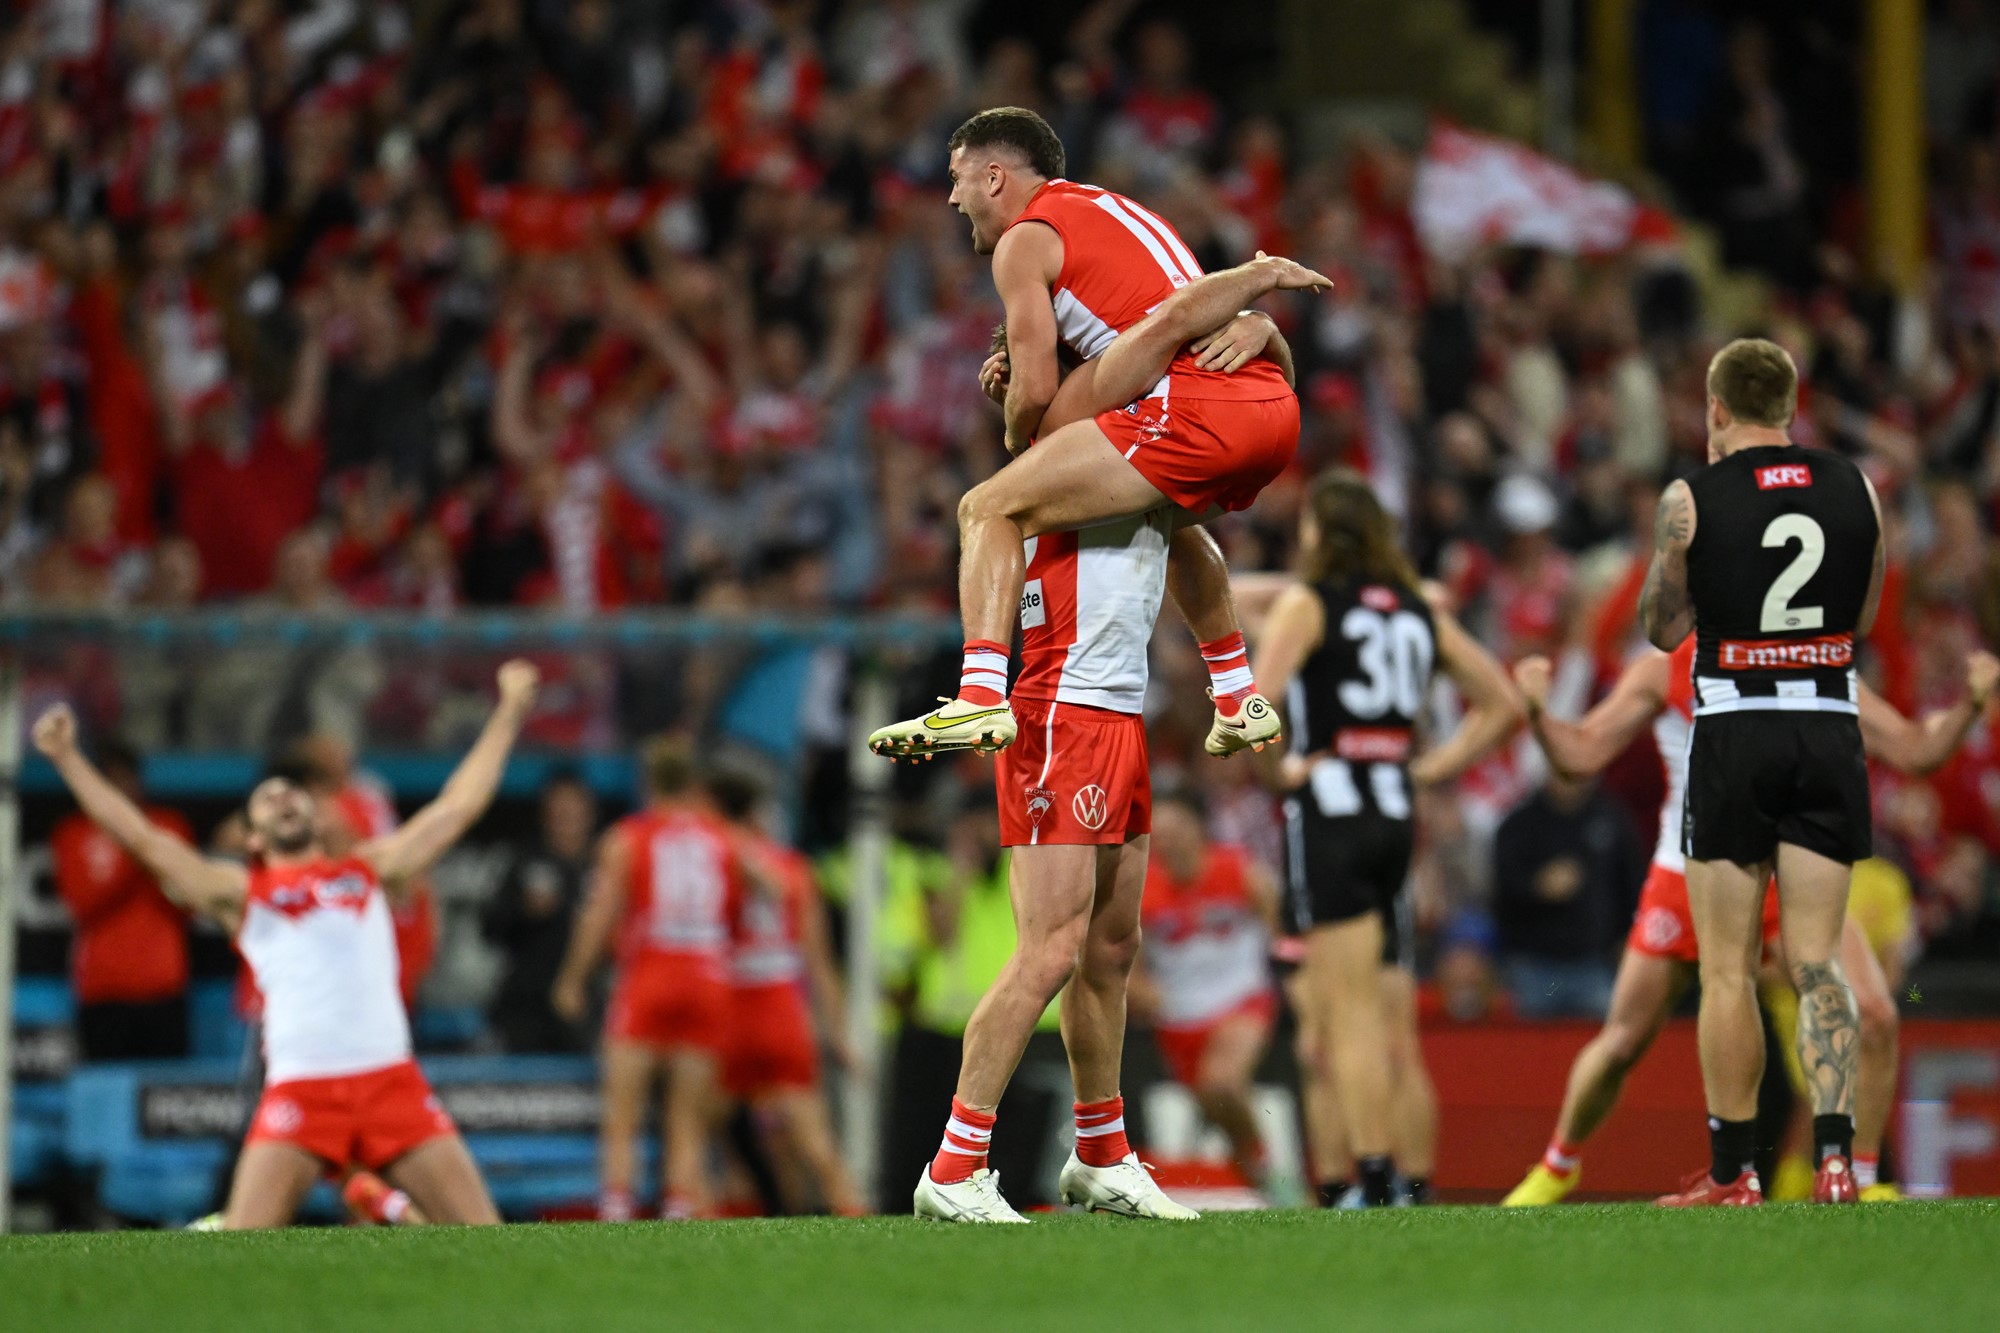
(341, 1088)
(1659, 960)
(1074, 794)
(1089, 266)
(1351, 647)
(1772, 557)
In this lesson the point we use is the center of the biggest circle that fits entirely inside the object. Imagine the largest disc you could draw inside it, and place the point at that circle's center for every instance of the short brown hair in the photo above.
(1755, 379)
(1013, 127)
(669, 764)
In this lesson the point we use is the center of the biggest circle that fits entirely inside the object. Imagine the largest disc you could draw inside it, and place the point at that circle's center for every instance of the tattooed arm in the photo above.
(1664, 606)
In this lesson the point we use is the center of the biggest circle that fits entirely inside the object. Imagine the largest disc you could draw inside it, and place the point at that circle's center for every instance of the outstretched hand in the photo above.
(1288, 275)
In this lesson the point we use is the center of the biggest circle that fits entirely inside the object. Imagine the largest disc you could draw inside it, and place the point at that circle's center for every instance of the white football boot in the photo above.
(974, 1200)
(1125, 1187)
(1253, 728)
(958, 725)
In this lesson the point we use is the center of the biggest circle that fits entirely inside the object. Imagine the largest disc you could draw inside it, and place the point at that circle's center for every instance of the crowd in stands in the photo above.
(509, 303)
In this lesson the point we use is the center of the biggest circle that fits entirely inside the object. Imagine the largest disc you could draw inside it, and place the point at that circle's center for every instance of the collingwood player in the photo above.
(1351, 648)
(1772, 557)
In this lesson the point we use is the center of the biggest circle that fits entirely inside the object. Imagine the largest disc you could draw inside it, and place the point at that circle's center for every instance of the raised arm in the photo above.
(209, 888)
(412, 849)
(591, 939)
(1493, 710)
(1581, 749)
(1664, 606)
(1921, 748)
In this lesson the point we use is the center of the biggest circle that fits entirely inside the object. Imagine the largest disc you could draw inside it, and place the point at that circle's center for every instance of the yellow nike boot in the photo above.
(1254, 727)
(958, 725)
(1542, 1187)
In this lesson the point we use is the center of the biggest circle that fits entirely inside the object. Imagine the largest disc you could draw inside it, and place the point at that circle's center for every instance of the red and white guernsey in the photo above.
(1120, 260)
(1671, 732)
(685, 882)
(322, 948)
(1087, 612)
(766, 948)
(1205, 943)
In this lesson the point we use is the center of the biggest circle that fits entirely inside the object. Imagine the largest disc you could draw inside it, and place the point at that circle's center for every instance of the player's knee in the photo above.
(1624, 1044)
(1876, 1013)
(1217, 1087)
(981, 504)
(1049, 961)
(1111, 957)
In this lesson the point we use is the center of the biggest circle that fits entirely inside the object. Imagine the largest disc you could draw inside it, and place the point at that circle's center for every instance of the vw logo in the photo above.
(1090, 807)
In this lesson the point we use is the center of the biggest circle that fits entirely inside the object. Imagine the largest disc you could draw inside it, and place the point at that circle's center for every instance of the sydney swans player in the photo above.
(1659, 959)
(1081, 265)
(341, 1088)
(1075, 796)
(1772, 557)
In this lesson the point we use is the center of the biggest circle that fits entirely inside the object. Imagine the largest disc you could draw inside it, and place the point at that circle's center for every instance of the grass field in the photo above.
(1929, 1266)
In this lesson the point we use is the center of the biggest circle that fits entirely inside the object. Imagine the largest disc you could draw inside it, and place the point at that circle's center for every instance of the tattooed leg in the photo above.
(1829, 1036)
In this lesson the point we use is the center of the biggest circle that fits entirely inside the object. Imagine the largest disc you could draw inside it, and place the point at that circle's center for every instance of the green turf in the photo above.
(1928, 1266)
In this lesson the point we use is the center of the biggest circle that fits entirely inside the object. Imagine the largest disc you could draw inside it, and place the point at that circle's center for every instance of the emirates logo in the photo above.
(1091, 807)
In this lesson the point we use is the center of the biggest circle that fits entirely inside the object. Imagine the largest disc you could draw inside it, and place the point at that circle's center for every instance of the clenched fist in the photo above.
(1532, 675)
(519, 679)
(1982, 674)
(55, 732)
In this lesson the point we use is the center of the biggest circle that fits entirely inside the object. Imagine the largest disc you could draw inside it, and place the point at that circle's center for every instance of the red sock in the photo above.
(1229, 671)
(1100, 1132)
(966, 1135)
(1562, 1157)
(983, 678)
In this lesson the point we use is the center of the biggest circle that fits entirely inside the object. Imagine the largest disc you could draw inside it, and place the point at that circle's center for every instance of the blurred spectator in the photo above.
(1566, 874)
(529, 918)
(128, 949)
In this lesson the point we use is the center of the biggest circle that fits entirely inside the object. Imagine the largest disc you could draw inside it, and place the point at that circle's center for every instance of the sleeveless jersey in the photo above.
(1120, 261)
(1671, 730)
(1205, 944)
(1784, 546)
(1358, 697)
(1088, 607)
(685, 882)
(322, 950)
(765, 949)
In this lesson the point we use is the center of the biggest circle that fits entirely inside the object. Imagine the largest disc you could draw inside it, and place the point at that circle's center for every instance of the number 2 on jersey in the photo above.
(1779, 613)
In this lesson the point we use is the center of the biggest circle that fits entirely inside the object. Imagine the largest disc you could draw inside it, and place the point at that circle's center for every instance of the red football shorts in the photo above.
(1203, 452)
(1074, 774)
(368, 1119)
(1664, 926)
(670, 1002)
(1183, 1048)
(771, 1043)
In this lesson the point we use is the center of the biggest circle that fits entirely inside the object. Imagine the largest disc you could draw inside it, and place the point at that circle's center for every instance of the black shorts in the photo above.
(1756, 779)
(1341, 867)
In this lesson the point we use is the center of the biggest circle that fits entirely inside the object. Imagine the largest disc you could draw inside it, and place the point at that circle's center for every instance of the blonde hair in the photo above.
(1756, 380)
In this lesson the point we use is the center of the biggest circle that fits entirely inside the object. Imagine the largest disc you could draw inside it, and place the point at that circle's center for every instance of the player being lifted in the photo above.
(341, 1089)
(1074, 794)
(1772, 557)
(1659, 960)
(1078, 265)
(1351, 648)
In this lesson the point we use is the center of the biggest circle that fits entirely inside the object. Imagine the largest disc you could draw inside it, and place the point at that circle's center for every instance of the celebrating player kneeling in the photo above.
(341, 1088)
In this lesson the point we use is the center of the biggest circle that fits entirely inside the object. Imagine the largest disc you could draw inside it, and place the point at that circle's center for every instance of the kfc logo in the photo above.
(1040, 801)
(1091, 807)
(1783, 476)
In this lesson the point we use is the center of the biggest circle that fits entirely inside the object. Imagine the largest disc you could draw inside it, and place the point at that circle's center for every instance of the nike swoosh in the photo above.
(932, 724)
